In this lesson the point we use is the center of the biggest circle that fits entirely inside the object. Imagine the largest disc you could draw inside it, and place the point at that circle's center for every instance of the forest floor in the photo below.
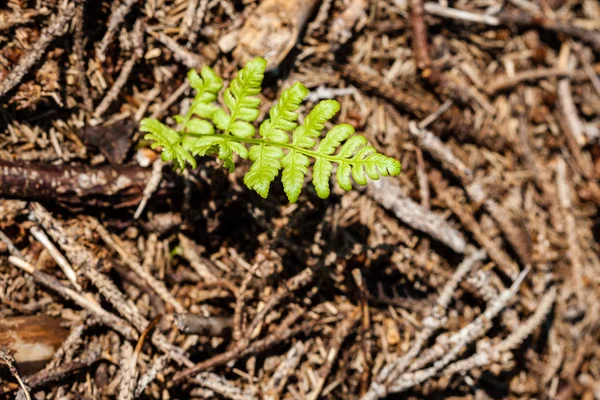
(475, 274)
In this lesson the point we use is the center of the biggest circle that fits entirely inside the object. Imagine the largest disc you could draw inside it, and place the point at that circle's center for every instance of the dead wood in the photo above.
(77, 185)
(32, 340)
(472, 275)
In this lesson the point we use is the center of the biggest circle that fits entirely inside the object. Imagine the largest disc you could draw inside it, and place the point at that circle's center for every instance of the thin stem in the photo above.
(288, 146)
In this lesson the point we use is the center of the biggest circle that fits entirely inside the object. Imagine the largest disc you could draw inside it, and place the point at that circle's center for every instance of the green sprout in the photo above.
(210, 129)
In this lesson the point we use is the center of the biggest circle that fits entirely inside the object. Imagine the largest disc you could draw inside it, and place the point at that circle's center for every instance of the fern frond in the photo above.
(239, 99)
(358, 159)
(267, 158)
(272, 151)
(207, 86)
(323, 167)
(169, 140)
(295, 163)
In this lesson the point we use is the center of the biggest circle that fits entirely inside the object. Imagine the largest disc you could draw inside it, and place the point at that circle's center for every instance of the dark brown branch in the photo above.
(45, 377)
(419, 103)
(525, 20)
(101, 186)
(420, 43)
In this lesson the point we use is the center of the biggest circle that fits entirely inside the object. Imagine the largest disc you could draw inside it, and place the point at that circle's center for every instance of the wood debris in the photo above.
(472, 275)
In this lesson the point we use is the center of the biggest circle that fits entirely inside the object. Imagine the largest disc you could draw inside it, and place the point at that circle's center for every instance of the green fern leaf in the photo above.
(323, 167)
(209, 129)
(207, 86)
(267, 158)
(296, 163)
(356, 160)
(239, 99)
(169, 140)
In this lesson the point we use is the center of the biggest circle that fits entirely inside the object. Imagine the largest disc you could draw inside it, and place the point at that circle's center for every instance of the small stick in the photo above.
(488, 355)
(568, 109)
(342, 331)
(222, 386)
(197, 24)
(422, 178)
(158, 287)
(170, 100)
(24, 16)
(190, 253)
(188, 18)
(506, 82)
(436, 319)
(129, 359)
(186, 57)
(240, 297)
(84, 302)
(453, 13)
(125, 71)
(47, 376)
(564, 197)
(157, 366)
(461, 339)
(10, 362)
(390, 196)
(293, 284)
(55, 28)
(151, 186)
(587, 68)
(65, 351)
(115, 19)
(56, 255)
(12, 249)
(435, 115)
(79, 57)
(285, 369)
(236, 352)
(524, 20)
(441, 152)
(80, 255)
(128, 372)
(420, 43)
(420, 105)
(193, 324)
(500, 257)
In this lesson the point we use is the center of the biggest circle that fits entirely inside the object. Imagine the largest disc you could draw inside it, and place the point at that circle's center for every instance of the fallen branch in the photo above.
(390, 197)
(99, 186)
(436, 319)
(521, 20)
(488, 355)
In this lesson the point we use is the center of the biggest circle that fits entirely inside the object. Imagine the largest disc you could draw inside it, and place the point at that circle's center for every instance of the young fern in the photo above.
(272, 151)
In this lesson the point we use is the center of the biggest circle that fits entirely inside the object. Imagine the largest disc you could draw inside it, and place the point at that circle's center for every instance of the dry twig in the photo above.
(391, 197)
(55, 28)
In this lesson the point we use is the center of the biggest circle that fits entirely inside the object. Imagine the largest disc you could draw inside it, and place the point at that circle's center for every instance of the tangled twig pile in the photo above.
(475, 274)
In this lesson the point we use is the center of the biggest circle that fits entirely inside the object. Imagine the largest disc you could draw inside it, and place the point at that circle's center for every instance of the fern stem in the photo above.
(288, 146)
